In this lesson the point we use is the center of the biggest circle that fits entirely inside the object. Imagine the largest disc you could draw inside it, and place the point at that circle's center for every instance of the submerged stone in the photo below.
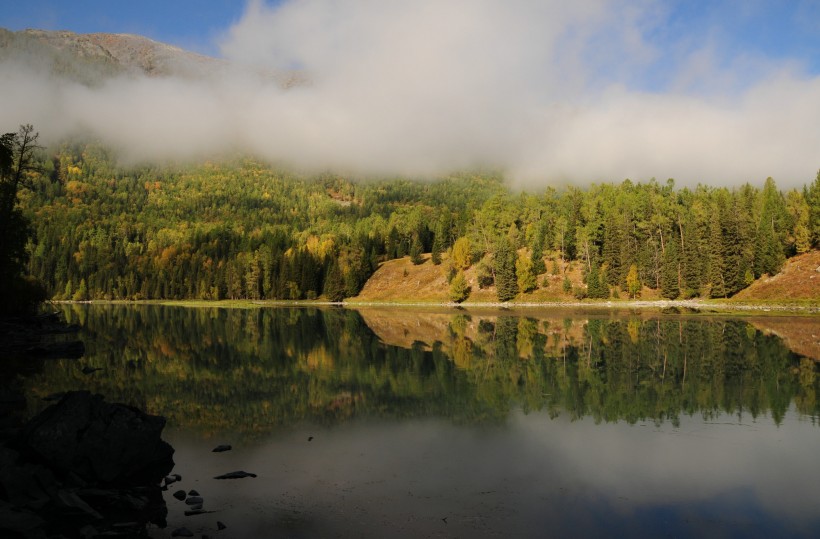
(235, 475)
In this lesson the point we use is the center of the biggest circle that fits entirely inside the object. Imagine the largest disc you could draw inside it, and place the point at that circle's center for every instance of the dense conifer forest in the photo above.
(241, 229)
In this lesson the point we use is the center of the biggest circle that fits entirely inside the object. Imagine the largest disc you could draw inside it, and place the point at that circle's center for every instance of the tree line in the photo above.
(242, 229)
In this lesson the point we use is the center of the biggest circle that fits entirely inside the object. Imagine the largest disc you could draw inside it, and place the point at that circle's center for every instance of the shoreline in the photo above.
(804, 307)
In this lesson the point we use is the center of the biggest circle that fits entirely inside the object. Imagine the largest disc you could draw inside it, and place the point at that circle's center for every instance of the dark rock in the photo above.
(220, 525)
(182, 532)
(17, 522)
(192, 492)
(71, 504)
(194, 512)
(179, 495)
(194, 500)
(89, 532)
(221, 448)
(103, 443)
(119, 525)
(235, 475)
(196, 507)
(27, 485)
(90, 370)
(173, 478)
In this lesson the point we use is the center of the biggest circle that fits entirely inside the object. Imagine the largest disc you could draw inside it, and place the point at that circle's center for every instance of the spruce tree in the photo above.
(670, 271)
(439, 242)
(537, 257)
(334, 288)
(416, 250)
(691, 262)
(596, 288)
(716, 260)
(812, 195)
(435, 254)
(506, 281)
(611, 251)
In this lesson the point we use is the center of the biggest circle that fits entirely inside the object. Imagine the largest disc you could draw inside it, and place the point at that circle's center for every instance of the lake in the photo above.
(409, 422)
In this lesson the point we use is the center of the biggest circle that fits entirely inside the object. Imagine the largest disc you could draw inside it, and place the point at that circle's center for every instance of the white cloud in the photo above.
(550, 91)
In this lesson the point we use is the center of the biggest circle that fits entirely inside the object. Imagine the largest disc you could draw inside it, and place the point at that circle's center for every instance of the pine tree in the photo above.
(670, 271)
(334, 289)
(537, 257)
(416, 250)
(691, 263)
(439, 242)
(716, 260)
(770, 235)
(391, 245)
(596, 288)
(611, 251)
(506, 281)
(812, 196)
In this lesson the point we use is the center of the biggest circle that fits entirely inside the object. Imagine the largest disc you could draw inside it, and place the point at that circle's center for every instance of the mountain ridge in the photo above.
(92, 58)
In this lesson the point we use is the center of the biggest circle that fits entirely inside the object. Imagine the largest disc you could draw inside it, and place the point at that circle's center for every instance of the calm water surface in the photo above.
(446, 423)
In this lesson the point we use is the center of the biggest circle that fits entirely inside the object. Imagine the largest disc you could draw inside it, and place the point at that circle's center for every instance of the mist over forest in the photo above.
(546, 93)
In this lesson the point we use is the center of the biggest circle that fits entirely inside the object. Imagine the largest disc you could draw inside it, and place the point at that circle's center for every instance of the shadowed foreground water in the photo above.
(456, 424)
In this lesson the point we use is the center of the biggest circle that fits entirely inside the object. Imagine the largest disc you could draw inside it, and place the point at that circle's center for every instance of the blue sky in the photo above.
(192, 24)
(777, 29)
(716, 91)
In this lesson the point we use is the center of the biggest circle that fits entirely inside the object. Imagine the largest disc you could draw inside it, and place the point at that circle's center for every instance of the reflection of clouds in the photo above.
(663, 464)
(531, 474)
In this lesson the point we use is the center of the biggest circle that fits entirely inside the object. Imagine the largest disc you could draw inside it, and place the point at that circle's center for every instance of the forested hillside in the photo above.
(243, 229)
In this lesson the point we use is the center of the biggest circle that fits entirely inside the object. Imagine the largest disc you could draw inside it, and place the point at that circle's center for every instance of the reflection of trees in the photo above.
(251, 369)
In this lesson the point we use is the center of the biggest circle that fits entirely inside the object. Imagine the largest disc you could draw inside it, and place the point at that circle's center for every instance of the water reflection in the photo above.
(429, 423)
(250, 370)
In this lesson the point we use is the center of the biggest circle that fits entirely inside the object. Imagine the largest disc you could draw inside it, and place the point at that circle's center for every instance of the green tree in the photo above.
(459, 289)
(633, 282)
(439, 242)
(769, 256)
(461, 253)
(17, 166)
(670, 271)
(506, 281)
(334, 283)
(596, 287)
(717, 262)
(524, 272)
(798, 208)
(812, 196)
(82, 292)
(416, 250)
(537, 255)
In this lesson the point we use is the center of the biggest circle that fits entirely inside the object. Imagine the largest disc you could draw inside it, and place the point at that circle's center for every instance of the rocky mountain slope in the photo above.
(92, 58)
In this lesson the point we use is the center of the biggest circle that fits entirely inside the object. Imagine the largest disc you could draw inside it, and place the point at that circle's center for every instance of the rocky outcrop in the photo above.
(84, 468)
(103, 443)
